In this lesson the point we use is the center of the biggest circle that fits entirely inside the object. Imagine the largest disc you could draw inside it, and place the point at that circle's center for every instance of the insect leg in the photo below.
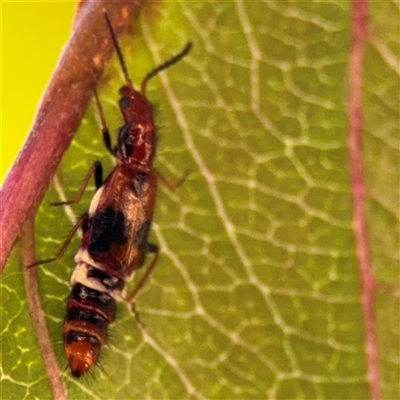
(97, 170)
(151, 248)
(172, 185)
(61, 252)
(104, 128)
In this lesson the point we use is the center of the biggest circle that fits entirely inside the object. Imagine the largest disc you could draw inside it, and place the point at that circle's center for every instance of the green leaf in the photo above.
(257, 290)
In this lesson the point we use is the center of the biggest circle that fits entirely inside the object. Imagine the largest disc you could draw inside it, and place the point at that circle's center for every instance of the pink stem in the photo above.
(38, 318)
(359, 27)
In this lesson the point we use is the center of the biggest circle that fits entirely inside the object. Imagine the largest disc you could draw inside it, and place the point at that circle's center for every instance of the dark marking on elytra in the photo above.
(109, 226)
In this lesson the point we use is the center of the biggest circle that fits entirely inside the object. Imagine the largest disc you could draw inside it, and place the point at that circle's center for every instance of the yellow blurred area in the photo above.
(33, 36)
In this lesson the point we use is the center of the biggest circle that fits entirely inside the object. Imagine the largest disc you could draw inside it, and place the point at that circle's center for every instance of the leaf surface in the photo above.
(257, 290)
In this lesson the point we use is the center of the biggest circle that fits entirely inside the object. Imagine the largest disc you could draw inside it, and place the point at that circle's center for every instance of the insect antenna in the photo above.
(118, 49)
(164, 66)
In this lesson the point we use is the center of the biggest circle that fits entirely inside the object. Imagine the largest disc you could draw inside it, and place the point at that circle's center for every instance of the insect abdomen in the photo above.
(89, 312)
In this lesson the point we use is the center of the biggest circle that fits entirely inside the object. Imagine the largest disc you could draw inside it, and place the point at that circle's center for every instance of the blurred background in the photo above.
(29, 56)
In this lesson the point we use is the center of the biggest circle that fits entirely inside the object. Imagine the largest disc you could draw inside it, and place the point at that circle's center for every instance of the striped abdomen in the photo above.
(90, 309)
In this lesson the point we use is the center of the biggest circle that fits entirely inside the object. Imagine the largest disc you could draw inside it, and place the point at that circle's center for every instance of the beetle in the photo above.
(115, 229)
